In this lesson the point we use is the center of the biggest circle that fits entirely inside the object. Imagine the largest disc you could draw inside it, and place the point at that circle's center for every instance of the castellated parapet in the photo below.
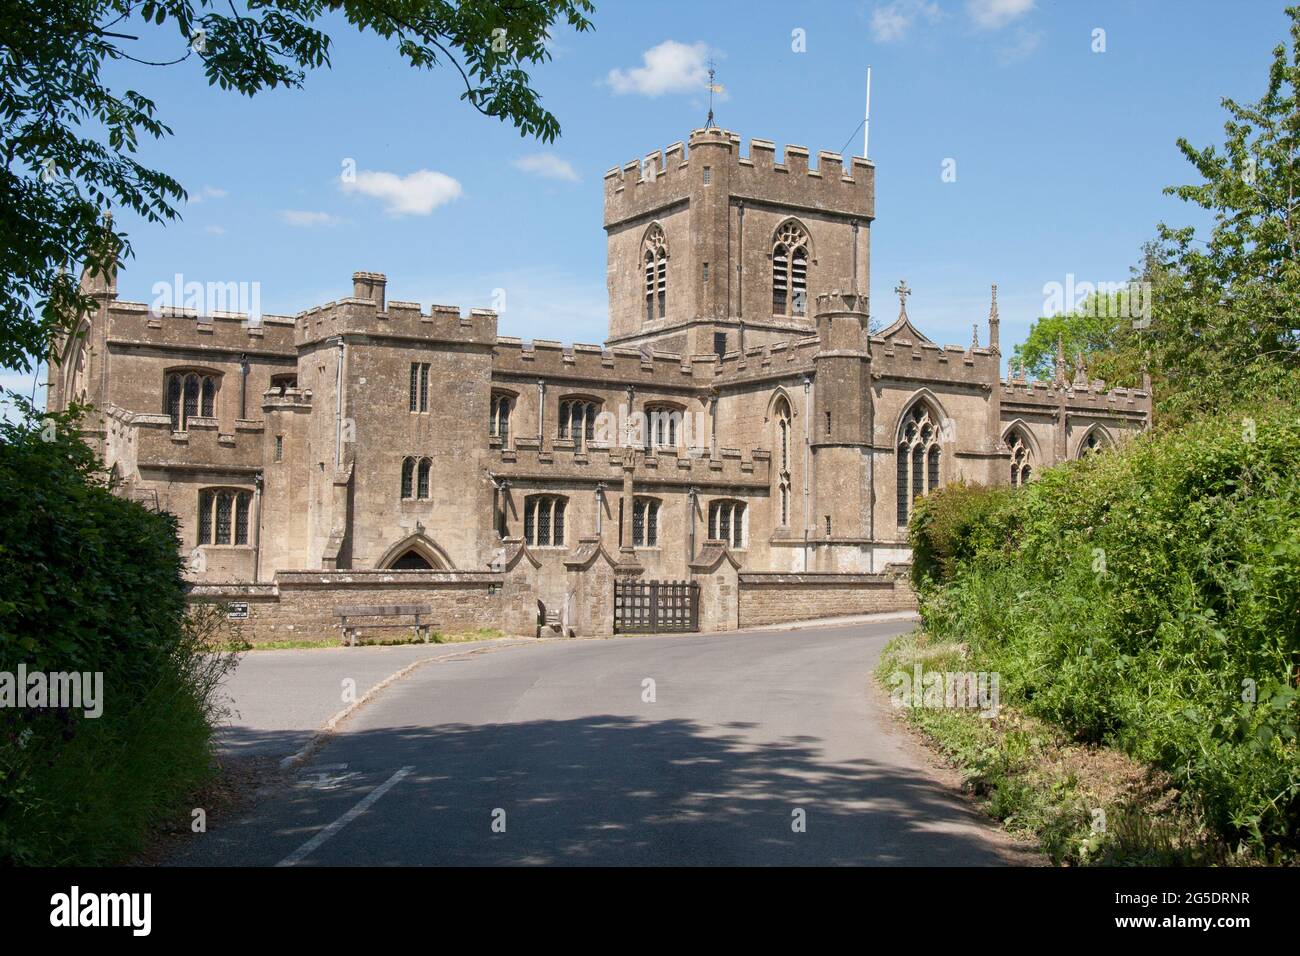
(398, 320)
(669, 176)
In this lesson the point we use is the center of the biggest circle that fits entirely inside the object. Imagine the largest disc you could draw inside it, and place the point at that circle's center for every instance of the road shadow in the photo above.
(604, 790)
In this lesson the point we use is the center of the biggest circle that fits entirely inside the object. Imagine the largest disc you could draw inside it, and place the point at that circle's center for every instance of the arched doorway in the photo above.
(415, 552)
(411, 560)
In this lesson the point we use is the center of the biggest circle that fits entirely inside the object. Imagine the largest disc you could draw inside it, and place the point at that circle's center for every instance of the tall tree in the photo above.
(1227, 302)
(69, 139)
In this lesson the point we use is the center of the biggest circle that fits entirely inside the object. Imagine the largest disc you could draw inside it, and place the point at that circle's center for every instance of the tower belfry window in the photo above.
(790, 271)
(654, 256)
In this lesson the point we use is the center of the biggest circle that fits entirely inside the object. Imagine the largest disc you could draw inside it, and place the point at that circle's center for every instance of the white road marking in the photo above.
(300, 854)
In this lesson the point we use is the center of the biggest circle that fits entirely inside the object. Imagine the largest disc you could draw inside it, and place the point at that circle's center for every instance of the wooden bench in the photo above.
(348, 619)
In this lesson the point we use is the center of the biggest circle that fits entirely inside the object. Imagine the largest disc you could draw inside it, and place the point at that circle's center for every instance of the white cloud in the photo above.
(215, 230)
(891, 21)
(306, 219)
(415, 194)
(207, 192)
(548, 166)
(995, 14)
(670, 67)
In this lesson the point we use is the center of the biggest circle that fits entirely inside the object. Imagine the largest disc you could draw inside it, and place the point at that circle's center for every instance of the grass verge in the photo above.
(1083, 804)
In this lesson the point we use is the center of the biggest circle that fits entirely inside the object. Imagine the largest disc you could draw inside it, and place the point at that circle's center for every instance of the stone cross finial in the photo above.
(903, 292)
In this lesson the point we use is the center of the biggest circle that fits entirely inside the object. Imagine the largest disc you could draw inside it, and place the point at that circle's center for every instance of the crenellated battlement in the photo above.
(544, 358)
(364, 316)
(1092, 395)
(182, 328)
(793, 355)
(675, 174)
(559, 459)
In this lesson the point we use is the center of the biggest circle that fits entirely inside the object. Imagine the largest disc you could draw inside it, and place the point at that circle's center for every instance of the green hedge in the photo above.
(1149, 599)
(90, 582)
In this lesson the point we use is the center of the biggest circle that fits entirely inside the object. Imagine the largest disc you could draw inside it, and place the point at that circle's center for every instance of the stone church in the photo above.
(747, 403)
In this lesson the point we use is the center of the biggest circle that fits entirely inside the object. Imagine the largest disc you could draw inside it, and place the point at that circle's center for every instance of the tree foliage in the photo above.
(1224, 304)
(69, 138)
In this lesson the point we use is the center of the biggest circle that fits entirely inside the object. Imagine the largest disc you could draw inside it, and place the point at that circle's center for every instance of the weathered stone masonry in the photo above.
(746, 426)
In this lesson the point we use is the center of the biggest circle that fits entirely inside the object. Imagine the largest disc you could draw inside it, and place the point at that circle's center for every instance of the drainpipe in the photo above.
(541, 410)
(807, 463)
(243, 387)
(257, 526)
(600, 506)
(691, 496)
(740, 262)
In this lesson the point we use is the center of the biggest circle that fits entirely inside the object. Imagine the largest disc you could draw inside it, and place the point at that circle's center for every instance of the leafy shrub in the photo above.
(949, 525)
(1149, 599)
(90, 582)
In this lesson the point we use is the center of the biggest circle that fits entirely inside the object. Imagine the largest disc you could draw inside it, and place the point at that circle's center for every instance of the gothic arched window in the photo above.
(408, 477)
(1020, 469)
(499, 423)
(654, 257)
(1094, 441)
(422, 478)
(790, 270)
(783, 462)
(918, 458)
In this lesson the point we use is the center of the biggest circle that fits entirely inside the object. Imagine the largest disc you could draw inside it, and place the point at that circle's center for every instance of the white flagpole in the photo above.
(866, 119)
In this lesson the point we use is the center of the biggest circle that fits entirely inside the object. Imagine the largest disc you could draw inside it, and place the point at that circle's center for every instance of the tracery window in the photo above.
(654, 257)
(790, 270)
(1020, 469)
(783, 462)
(1093, 442)
(918, 458)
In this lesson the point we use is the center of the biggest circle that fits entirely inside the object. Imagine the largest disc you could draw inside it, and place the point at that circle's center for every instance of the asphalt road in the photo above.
(557, 752)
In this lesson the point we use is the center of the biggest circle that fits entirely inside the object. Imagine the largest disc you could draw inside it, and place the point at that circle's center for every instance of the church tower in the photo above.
(707, 246)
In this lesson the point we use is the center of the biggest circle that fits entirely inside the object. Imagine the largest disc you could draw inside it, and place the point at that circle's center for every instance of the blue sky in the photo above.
(1061, 152)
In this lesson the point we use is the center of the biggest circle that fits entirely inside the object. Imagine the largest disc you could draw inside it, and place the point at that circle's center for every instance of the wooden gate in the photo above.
(652, 607)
